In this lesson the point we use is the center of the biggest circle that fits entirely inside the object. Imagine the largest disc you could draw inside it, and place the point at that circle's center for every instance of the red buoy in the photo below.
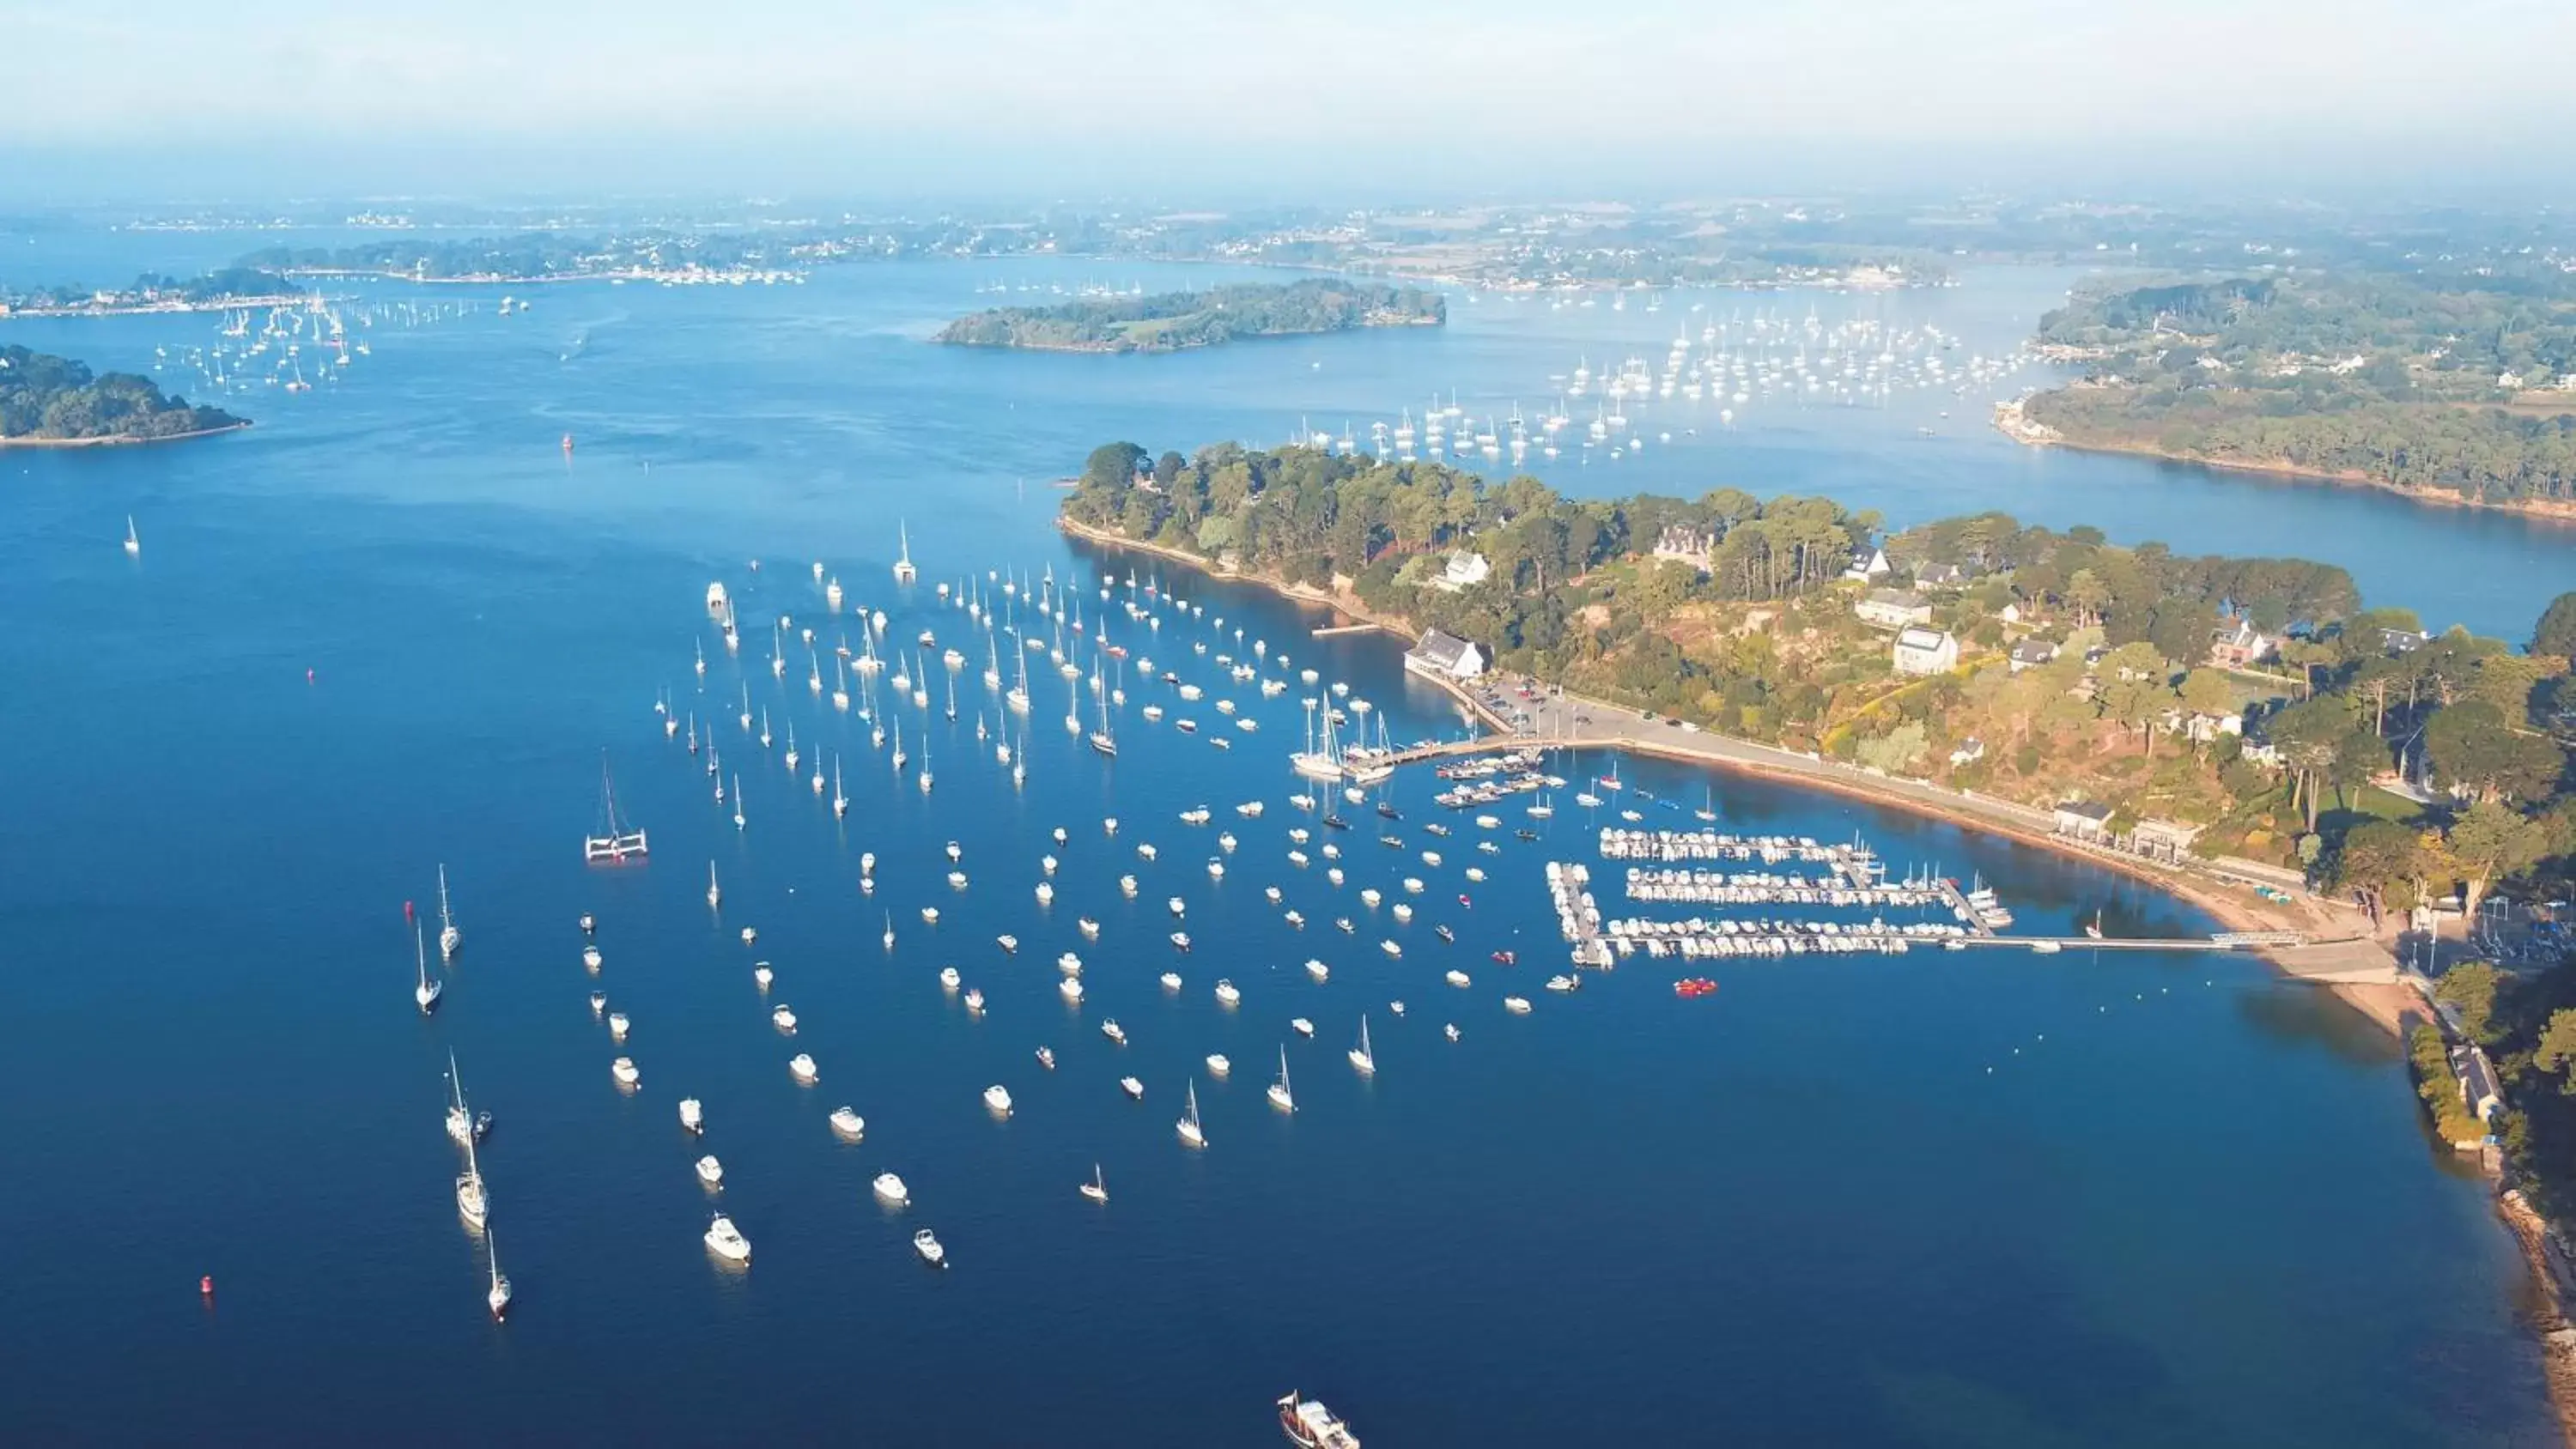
(206, 1285)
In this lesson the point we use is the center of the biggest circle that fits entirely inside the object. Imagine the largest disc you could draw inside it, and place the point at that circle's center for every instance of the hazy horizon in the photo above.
(999, 98)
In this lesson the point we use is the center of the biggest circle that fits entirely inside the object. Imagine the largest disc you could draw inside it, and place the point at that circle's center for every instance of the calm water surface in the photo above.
(1935, 1199)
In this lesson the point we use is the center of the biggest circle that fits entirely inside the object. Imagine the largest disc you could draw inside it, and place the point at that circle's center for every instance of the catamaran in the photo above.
(615, 843)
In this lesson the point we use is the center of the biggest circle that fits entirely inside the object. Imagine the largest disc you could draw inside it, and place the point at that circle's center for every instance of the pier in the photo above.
(1331, 631)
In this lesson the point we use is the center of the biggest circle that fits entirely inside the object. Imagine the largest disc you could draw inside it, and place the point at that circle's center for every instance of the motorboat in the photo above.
(998, 1098)
(1450, 1030)
(948, 977)
(928, 1247)
(726, 1241)
(693, 1116)
(801, 1067)
(1070, 988)
(1132, 1087)
(617, 1026)
(1516, 1005)
(891, 1188)
(975, 1000)
(1301, 1026)
(784, 1020)
(623, 1070)
(710, 1171)
(1112, 1030)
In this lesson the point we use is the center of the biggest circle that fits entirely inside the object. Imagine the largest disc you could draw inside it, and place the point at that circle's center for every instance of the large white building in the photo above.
(1445, 656)
(1925, 651)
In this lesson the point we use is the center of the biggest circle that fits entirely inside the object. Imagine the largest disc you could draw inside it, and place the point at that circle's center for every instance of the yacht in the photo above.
(761, 975)
(975, 1000)
(998, 1098)
(1457, 978)
(1171, 981)
(891, 1188)
(623, 1070)
(1112, 1030)
(1517, 1005)
(783, 1019)
(710, 1171)
(1450, 1031)
(1301, 1026)
(927, 1246)
(1228, 994)
(726, 1241)
(847, 1122)
(948, 977)
(618, 1025)
(801, 1067)
(1132, 1087)
(1191, 1133)
(1069, 963)
(693, 1117)
(1360, 1055)
(598, 1002)
(1219, 1065)
(1319, 971)
(1046, 1057)
(1070, 989)
(1280, 1096)
(1097, 1189)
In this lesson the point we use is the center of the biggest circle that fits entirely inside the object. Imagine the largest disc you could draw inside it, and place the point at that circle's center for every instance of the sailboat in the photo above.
(428, 991)
(1361, 1057)
(615, 844)
(904, 572)
(1279, 1094)
(133, 540)
(746, 708)
(498, 1296)
(840, 686)
(715, 892)
(952, 696)
(737, 802)
(925, 767)
(462, 1125)
(1098, 1188)
(449, 938)
(1188, 1126)
(471, 1202)
(1018, 697)
(1101, 739)
(992, 662)
(840, 801)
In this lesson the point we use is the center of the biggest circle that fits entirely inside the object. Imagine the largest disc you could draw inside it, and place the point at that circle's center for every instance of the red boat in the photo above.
(1505, 958)
(1694, 986)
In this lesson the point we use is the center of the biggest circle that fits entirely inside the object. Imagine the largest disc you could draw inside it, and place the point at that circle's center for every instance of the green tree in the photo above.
(2556, 1047)
(2471, 745)
(2555, 635)
(2489, 842)
(2469, 989)
(2378, 859)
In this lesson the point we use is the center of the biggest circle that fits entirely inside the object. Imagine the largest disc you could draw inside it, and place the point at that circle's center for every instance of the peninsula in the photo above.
(216, 291)
(2454, 390)
(55, 402)
(1171, 321)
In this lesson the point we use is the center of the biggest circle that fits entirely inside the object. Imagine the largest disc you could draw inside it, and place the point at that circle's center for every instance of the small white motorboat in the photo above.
(710, 1171)
(1301, 1026)
(848, 1122)
(623, 1069)
(891, 1188)
(998, 1098)
(1112, 1030)
(801, 1067)
(726, 1241)
(929, 1249)
(784, 1020)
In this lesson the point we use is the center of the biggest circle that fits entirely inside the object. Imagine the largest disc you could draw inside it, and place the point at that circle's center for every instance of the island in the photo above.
(676, 259)
(55, 402)
(2450, 388)
(220, 290)
(1171, 321)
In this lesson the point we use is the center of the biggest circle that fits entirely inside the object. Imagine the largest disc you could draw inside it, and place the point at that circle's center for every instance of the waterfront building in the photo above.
(2084, 820)
(1440, 655)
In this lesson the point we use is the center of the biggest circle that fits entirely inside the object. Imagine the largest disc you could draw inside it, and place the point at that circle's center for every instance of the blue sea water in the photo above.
(1935, 1199)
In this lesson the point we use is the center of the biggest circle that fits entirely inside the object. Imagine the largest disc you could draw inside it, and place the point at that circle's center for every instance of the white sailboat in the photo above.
(133, 540)
(1098, 1188)
(462, 1125)
(904, 572)
(1191, 1133)
(497, 1297)
(449, 938)
(840, 799)
(1279, 1094)
(1360, 1055)
(715, 892)
(426, 994)
(471, 1201)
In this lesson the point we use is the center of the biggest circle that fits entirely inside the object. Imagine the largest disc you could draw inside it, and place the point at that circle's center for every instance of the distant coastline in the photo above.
(1180, 321)
(2008, 421)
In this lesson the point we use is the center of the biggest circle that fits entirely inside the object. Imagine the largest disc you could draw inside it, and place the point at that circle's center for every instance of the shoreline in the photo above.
(123, 440)
(2548, 510)
(157, 309)
(2387, 1004)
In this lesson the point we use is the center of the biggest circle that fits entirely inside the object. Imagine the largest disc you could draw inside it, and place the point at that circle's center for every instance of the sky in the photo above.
(264, 98)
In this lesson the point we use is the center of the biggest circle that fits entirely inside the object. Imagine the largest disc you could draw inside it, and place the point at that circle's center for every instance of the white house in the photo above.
(1444, 656)
(1892, 608)
(1868, 563)
(2082, 819)
(1925, 651)
(1466, 570)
